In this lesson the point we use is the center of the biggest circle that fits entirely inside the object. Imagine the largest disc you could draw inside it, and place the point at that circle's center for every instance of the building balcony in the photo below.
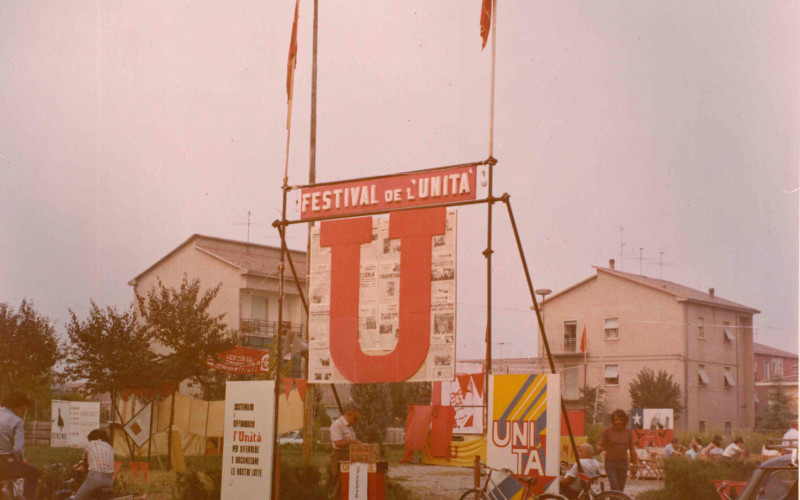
(567, 348)
(265, 329)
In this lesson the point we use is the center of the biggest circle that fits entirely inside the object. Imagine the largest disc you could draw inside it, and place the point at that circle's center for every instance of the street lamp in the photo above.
(544, 292)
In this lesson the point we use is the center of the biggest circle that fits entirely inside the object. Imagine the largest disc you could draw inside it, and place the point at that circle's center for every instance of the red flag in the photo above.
(301, 387)
(486, 20)
(583, 340)
(463, 382)
(292, 55)
(287, 386)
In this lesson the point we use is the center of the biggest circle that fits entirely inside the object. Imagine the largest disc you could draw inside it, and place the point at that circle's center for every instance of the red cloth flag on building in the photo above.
(486, 20)
(292, 63)
(583, 340)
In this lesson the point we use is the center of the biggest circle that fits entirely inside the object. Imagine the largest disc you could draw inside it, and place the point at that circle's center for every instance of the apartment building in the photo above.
(633, 322)
(773, 368)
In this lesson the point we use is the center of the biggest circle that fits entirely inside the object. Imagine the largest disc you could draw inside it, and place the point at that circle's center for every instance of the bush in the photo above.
(593, 433)
(202, 484)
(299, 480)
(693, 479)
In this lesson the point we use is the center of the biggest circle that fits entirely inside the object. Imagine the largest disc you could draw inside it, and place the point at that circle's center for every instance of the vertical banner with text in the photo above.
(247, 454)
(524, 434)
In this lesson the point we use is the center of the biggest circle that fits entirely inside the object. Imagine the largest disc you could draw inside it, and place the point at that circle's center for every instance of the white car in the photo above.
(294, 437)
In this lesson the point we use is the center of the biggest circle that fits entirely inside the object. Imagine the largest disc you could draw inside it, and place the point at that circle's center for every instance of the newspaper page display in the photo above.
(379, 303)
(525, 422)
(72, 421)
(247, 451)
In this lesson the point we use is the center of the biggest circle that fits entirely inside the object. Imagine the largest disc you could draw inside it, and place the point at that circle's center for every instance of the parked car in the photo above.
(294, 437)
(775, 479)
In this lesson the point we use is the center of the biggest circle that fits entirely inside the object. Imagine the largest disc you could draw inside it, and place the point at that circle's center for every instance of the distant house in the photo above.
(633, 322)
(249, 274)
(773, 368)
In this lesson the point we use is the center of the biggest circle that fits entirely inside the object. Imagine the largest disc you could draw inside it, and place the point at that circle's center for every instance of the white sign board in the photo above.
(358, 481)
(138, 428)
(72, 421)
(247, 453)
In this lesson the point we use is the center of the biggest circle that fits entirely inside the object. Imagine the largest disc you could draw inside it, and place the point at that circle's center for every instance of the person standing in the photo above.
(98, 458)
(342, 436)
(12, 443)
(790, 438)
(617, 442)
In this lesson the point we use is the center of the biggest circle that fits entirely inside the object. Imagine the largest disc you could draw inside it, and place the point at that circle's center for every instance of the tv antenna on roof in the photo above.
(248, 225)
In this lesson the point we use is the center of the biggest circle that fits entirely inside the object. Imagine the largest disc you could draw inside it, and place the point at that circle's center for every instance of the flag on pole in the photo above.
(583, 340)
(292, 55)
(486, 20)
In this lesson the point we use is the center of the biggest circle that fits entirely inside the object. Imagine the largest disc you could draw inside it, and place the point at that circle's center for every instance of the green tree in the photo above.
(178, 320)
(375, 404)
(109, 350)
(28, 350)
(403, 394)
(778, 414)
(651, 390)
(593, 402)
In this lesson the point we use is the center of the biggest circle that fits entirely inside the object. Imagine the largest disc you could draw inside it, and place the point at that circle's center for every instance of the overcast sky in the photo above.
(127, 126)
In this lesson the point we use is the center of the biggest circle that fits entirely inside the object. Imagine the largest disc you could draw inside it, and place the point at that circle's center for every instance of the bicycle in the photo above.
(504, 488)
(593, 489)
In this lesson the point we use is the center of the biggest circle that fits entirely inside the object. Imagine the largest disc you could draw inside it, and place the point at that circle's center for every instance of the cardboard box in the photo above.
(365, 452)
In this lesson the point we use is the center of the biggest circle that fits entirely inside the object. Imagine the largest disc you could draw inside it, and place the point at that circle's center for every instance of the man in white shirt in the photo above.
(734, 450)
(98, 460)
(790, 438)
(342, 436)
(570, 484)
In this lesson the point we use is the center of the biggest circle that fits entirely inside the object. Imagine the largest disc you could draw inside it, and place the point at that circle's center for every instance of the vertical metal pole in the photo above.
(150, 438)
(169, 431)
(308, 404)
(279, 350)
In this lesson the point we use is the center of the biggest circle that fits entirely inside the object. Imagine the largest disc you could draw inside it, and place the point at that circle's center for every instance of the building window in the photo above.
(729, 382)
(727, 333)
(701, 426)
(777, 368)
(570, 335)
(612, 375)
(702, 376)
(701, 328)
(766, 371)
(612, 328)
(569, 382)
(794, 369)
(727, 427)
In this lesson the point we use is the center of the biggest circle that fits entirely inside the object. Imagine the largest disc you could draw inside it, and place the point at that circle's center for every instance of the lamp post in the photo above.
(544, 292)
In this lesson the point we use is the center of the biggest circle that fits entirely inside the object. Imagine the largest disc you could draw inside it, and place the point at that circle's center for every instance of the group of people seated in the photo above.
(696, 451)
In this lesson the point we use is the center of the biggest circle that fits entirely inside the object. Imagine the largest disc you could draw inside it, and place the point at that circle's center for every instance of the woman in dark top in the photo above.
(617, 442)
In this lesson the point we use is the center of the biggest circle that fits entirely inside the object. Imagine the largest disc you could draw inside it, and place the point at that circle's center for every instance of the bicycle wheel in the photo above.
(612, 495)
(471, 495)
(551, 496)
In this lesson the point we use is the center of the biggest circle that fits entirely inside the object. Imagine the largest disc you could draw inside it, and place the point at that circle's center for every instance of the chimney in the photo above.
(711, 292)
(611, 263)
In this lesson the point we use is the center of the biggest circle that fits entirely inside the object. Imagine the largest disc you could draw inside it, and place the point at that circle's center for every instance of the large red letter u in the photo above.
(415, 228)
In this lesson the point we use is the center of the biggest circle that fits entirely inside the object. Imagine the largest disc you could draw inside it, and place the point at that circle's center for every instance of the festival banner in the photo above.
(379, 314)
(652, 425)
(247, 451)
(72, 421)
(380, 194)
(241, 360)
(525, 432)
(138, 428)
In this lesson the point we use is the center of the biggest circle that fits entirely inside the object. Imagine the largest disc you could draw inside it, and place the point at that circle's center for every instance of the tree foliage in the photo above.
(593, 402)
(651, 390)
(179, 321)
(110, 350)
(778, 414)
(403, 394)
(375, 404)
(28, 349)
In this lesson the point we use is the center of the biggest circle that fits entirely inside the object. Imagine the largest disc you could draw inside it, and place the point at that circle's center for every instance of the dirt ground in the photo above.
(434, 482)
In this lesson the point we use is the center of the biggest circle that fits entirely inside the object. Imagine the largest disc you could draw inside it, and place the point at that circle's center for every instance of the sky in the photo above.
(670, 127)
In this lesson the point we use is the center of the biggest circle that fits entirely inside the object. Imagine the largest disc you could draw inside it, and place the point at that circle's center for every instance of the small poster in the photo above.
(652, 425)
(358, 481)
(72, 421)
(138, 428)
(525, 435)
(247, 452)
